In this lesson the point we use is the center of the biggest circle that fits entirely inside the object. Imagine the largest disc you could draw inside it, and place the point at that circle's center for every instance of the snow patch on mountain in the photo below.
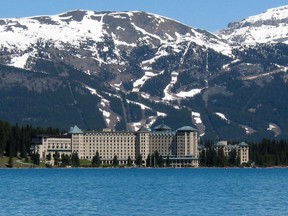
(196, 117)
(279, 70)
(135, 126)
(191, 93)
(197, 121)
(222, 116)
(146, 65)
(109, 116)
(147, 122)
(212, 43)
(274, 128)
(145, 95)
(19, 61)
(146, 33)
(144, 107)
(168, 95)
(140, 82)
(248, 130)
(61, 33)
(117, 86)
(113, 95)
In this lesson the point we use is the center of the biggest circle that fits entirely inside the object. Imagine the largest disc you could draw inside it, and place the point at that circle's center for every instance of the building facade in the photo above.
(242, 150)
(47, 145)
(179, 146)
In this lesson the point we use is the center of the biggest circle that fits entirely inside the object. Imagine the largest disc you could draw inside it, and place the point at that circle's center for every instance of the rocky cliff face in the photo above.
(123, 70)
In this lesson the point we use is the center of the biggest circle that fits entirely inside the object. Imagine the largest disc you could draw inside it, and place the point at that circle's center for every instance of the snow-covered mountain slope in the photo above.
(268, 27)
(22, 38)
(124, 70)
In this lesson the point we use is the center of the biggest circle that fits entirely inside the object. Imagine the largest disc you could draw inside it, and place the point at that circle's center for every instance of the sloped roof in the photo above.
(220, 144)
(187, 128)
(200, 146)
(75, 130)
(162, 133)
(243, 144)
(162, 127)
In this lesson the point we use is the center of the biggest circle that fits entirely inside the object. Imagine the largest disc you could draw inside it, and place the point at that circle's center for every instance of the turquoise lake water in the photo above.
(144, 192)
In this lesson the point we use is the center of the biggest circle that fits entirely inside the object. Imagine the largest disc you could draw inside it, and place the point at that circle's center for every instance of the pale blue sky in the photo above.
(210, 15)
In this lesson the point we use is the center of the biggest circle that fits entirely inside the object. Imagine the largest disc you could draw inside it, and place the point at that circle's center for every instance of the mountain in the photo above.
(123, 70)
(268, 27)
(100, 37)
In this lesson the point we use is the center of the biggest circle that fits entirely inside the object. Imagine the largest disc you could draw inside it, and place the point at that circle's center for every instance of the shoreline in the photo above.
(102, 168)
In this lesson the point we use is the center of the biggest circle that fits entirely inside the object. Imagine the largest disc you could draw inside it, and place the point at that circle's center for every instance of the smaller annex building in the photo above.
(179, 146)
(242, 150)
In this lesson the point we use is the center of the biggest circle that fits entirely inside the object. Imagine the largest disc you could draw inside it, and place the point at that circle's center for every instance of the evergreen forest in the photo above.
(265, 153)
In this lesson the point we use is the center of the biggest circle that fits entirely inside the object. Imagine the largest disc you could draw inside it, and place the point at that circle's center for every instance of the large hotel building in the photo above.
(180, 145)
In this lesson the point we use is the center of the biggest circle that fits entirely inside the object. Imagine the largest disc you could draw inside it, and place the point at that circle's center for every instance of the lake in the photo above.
(209, 191)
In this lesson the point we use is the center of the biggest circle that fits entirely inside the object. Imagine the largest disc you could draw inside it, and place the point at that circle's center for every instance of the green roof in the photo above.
(162, 127)
(187, 129)
(219, 144)
(243, 144)
(162, 133)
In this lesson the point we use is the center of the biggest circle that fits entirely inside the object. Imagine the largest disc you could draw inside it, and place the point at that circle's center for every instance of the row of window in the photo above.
(101, 142)
(109, 138)
(58, 146)
(110, 147)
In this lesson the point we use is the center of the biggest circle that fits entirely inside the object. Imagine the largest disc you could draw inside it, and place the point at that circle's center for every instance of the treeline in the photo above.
(15, 140)
(269, 153)
(152, 160)
(211, 157)
(63, 160)
(265, 153)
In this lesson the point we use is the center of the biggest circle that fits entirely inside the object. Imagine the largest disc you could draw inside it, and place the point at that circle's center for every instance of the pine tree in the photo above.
(65, 160)
(220, 158)
(156, 160)
(11, 146)
(75, 160)
(168, 161)
(48, 157)
(160, 161)
(129, 161)
(10, 162)
(56, 157)
(96, 161)
(148, 161)
(2, 140)
(115, 161)
(232, 158)
(138, 160)
(202, 158)
(35, 158)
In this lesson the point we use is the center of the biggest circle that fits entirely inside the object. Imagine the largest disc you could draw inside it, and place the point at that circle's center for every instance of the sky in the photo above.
(211, 15)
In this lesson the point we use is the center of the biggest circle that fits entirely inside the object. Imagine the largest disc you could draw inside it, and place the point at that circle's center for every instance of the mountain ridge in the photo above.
(267, 27)
(124, 70)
